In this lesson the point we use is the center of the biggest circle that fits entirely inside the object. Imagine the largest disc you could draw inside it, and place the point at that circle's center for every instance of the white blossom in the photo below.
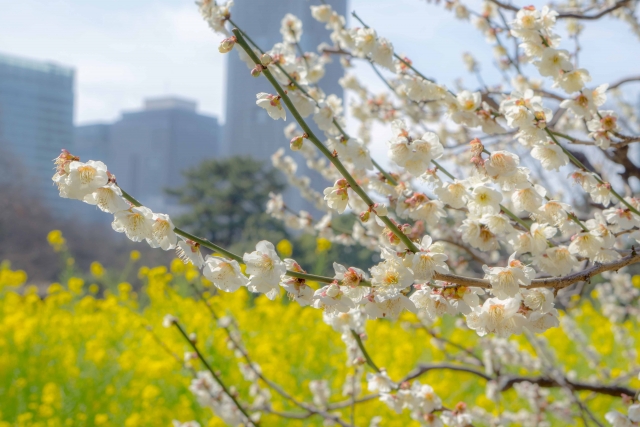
(273, 105)
(265, 268)
(81, 179)
(136, 222)
(225, 274)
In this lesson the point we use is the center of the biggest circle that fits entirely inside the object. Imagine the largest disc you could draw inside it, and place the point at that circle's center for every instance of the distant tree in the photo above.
(226, 200)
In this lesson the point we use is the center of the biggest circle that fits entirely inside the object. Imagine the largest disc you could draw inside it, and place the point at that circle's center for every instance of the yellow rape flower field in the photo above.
(77, 356)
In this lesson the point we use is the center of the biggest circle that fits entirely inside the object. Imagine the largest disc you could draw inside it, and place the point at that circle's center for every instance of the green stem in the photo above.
(345, 135)
(579, 164)
(443, 169)
(364, 351)
(206, 243)
(514, 217)
(213, 374)
(386, 174)
(314, 139)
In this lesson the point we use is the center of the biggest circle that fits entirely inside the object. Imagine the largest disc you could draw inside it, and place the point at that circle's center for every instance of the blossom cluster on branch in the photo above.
(495, 242)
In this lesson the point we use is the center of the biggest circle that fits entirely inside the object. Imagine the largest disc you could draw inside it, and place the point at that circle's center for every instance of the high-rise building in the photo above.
(36, 120)
(148, 150)
(248, 130)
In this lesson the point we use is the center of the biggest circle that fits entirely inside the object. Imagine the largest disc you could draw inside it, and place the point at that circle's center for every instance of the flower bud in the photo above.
(296, 142)
(476, 147)
(364, 216)
(227, 44)
(392, 238)
(255, 72)
(266, 59)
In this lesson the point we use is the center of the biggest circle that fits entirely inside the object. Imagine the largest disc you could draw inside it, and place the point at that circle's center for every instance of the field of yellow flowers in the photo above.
(84, 354)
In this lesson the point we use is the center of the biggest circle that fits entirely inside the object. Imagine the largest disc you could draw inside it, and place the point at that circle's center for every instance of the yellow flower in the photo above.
(124, 289)
(54, 288)
(75, 285)
(134, 255)
(322, 244)
(177, 266)
(96, 353)
(285, 248)
(55, 239)
(97, 269)
(192, 274)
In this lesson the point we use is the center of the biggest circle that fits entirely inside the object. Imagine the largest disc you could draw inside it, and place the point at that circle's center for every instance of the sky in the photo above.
(124, 50)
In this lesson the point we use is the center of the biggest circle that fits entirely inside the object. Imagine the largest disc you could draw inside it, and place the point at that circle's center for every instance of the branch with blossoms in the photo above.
(522, 241)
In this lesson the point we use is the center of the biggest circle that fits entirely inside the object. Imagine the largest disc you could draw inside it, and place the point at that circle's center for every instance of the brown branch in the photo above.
(586, 275)
(548, 282)
(597, 15)
(349, 402)
(424, 368)
(506, 383)
(454, 344)
(623, 81)
(505, 5)
(468, 250)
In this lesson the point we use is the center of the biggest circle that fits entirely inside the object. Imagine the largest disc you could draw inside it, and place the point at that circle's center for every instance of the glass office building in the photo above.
(36, 121)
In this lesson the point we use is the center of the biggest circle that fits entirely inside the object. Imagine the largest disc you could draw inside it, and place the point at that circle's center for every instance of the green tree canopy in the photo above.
(226, 199)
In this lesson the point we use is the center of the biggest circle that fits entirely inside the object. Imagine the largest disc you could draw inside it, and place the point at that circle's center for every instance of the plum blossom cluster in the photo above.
(401, 281)
(461, 214)
(414, 273)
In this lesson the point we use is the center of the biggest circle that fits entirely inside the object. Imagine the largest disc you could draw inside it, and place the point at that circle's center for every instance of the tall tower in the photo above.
(36, 121)
(248, 130)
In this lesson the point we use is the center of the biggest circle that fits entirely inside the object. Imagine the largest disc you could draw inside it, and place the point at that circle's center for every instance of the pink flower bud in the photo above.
(226, 45)
(256, 71)
(342, 183)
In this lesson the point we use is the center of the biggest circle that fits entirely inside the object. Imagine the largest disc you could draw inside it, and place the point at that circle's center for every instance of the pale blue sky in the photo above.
(125, 50)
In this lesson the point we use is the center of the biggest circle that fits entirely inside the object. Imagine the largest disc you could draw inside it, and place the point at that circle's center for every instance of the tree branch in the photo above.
(505, 383)
(596, 16)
